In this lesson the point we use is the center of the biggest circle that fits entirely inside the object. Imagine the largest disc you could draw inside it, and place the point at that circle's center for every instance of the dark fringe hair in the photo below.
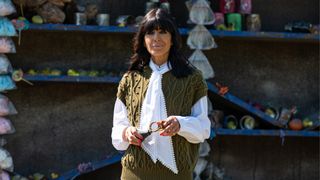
(159, 19)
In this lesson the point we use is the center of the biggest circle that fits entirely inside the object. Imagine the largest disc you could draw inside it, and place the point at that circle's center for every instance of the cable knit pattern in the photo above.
(180, 95)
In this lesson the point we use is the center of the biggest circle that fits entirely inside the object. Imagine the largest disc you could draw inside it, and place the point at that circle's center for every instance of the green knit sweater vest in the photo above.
(180, 95)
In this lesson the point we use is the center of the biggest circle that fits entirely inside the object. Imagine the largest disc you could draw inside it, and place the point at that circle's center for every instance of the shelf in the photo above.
(238, 132)
(261, 35)
(283, 36)
(96, 165)
(84, 28)
(227, 97)
(107, 79)
(78, 79)
(258, 132)
(280, 133)
(242, 104)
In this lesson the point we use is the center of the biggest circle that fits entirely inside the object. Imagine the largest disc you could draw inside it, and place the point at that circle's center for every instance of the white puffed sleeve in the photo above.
(196, 127)
(120, 122)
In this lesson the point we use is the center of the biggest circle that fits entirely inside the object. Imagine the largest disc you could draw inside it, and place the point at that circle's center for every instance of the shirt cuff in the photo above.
(117, 139)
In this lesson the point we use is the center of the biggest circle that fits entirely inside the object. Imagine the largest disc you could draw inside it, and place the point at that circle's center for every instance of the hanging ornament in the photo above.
(6, 27)
(200, 61)
(6, 83)
(4, 175)
(7, 45)
(6, 106)
(6, 8)
(5, 160)
(201, 13)
(200, 38)
(5, 66)
(6, 126)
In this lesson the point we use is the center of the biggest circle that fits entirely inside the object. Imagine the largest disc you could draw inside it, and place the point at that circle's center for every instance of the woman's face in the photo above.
(158, 43)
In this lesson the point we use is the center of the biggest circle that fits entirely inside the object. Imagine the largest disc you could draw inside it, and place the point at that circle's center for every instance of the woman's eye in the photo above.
(150, 32)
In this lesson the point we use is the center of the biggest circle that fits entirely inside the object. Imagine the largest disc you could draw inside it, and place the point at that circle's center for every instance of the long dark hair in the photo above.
(154, 19)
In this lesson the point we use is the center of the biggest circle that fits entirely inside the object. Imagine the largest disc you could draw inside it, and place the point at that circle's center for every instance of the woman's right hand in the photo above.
(132, 136)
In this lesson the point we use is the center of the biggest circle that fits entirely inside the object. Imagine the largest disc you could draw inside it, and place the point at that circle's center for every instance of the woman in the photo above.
(160, 86)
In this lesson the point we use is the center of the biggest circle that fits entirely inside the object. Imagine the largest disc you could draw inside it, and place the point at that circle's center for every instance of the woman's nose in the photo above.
(156, 36)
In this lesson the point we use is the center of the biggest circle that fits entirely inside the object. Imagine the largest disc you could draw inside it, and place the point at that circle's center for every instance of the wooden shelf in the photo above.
(283, 36)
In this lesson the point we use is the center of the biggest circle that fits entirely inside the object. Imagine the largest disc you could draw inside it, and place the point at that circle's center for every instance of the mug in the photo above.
(234, 21)
(80, 18)
(103, 19)
(253, 23)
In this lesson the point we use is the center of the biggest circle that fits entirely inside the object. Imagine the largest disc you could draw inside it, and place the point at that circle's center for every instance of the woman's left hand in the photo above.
(170, 125)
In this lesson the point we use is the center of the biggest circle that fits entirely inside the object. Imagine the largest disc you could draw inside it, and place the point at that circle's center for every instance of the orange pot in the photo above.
(295, 124)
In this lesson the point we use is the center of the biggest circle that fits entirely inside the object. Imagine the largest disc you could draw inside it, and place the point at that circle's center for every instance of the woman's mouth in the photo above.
(156, 46)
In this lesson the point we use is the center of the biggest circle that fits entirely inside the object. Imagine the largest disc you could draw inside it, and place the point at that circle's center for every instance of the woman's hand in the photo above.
(171, 126)
(132, 136)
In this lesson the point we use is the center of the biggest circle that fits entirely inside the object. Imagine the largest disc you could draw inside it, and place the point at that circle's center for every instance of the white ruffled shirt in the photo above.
(195, 128)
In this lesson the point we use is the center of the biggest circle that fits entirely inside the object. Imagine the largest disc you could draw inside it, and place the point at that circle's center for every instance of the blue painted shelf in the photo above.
(96, 165)
(242, 104)
(258, 132)
(228, 97)
(184, 31)
(84, 28)
(77, 79)
(239, 132)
